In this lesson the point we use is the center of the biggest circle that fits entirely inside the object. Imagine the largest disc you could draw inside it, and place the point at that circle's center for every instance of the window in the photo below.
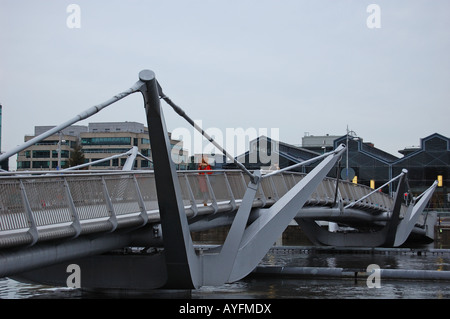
(64, 154)
(106, 150)
(106, 141)
(24, 164)
(47, 143)
(145, 163)
(55, 164)
(41, 164)
(41, 154)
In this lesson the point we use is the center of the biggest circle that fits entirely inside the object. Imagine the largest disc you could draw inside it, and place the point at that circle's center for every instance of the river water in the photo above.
(264, 287)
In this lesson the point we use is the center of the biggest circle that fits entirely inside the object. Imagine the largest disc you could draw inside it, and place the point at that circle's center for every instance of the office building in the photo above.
(51, 153)
(98, 141)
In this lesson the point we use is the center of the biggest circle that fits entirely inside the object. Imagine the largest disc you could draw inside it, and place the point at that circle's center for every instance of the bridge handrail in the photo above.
(306, 162)
(376, 190)
(90, 173)
(43, 201)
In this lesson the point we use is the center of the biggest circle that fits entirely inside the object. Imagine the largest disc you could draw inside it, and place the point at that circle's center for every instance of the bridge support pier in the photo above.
(181, 260)
(394, 233)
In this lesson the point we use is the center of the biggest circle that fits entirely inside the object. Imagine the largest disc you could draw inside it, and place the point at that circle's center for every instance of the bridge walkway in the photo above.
(47, 206)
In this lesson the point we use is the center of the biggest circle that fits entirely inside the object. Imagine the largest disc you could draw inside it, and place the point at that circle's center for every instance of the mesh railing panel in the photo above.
(12, 212)
(123, 193)
(88, 197)
(48, 201)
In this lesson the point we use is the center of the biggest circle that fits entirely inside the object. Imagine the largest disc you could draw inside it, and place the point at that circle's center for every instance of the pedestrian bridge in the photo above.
(39, 207)
(52, 220)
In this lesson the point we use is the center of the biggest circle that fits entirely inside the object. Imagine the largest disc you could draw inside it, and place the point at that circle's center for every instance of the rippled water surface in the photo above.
(283, 287)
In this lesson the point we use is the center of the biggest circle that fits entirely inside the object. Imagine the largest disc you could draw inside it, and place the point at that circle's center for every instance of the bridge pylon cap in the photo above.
(146, 75)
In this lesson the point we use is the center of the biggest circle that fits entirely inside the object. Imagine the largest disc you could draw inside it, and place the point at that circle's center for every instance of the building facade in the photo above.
(319, 144)
(363, 163)
(98, 141)
(51, 153)
(425, 164)
(103, 140)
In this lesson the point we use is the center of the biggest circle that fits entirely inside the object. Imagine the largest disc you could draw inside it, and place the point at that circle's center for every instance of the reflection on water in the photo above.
(280, 288)
(283, 287)
(387, 260)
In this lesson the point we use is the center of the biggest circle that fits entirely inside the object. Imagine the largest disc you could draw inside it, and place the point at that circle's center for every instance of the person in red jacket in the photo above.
(204, 166)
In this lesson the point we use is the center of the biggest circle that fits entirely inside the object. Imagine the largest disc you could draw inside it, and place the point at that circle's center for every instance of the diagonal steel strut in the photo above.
(266, 229)
(244, 246)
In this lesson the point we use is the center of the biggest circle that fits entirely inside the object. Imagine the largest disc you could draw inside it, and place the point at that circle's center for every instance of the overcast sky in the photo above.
(297, 66)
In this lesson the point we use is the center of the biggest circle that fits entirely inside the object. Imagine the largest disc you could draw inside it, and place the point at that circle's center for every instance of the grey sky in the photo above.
(300, 66)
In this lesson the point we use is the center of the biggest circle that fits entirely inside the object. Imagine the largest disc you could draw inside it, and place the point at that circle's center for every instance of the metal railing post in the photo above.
(274, 189)
(191, 196)
(73, 211)
(230, 192)
(29, 213)
(141, 202)
(211, 194)
(112, 215)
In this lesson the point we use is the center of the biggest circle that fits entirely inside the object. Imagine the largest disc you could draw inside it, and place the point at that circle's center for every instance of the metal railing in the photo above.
(42, 206)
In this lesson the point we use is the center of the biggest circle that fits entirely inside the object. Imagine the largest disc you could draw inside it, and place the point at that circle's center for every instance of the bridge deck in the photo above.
(71, 204)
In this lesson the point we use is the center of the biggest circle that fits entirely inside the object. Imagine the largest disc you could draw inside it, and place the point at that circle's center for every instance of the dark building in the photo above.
(371, 166)
(266, 153)
(426, 164)
(365, 161)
